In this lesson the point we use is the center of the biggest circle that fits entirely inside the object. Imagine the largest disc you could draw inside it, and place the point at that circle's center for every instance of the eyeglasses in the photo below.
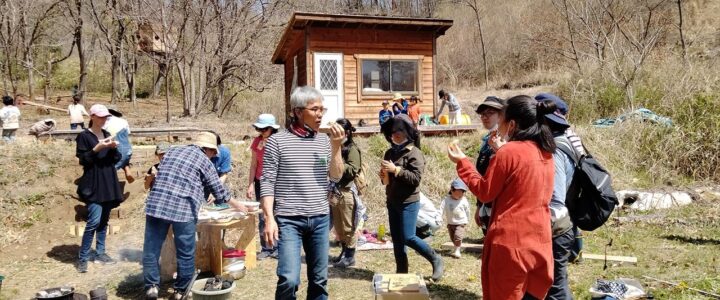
(487, 113)
(316, 110)
(262, 129)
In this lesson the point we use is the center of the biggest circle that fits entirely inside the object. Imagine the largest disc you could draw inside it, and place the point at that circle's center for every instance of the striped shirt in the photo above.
(178, 191)
(295, 172)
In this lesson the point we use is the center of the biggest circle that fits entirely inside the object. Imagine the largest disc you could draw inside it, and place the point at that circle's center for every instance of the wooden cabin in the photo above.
(357, 62)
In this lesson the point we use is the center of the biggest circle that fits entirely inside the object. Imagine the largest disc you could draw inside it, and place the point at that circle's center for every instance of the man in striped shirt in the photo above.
(293, 188)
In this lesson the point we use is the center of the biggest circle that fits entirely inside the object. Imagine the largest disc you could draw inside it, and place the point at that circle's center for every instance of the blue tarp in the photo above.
(641, 114)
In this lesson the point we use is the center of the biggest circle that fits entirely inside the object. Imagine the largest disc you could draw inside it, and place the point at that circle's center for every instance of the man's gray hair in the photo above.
(302, 95)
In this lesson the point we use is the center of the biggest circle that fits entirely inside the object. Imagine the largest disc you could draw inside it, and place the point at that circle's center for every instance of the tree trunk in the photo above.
(167, 96)
(680, 28)
(131, 81)
(475, 8)
(576, 58)
(31, 77)
(82, 85)
(48, 77)
(115, 65)
(183, 85)
(162, 73)
(192, 94)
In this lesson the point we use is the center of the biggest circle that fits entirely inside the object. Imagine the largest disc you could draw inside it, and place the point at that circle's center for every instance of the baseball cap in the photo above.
(492, 102)
(99, 110)
(458, 184)
(561, 109)
(206, 140)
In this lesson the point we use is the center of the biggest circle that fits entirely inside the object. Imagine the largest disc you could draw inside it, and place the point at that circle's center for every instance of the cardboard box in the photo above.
(400, 287)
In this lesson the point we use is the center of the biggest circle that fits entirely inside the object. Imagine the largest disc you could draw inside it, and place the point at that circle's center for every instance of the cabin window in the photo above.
(389, 76)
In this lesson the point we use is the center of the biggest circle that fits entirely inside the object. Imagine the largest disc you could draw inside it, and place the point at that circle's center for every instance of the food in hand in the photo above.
(326, 128)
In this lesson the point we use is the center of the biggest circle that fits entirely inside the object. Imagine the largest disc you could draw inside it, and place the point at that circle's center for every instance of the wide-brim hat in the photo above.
(206, 140)
(265, 121)
(162, 148)
(397, 96)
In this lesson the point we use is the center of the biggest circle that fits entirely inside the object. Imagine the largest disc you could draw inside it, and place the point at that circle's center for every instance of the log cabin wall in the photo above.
(358, 44)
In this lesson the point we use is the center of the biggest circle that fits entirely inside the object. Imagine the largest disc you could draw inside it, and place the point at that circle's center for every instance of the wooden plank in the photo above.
(348, 46)
(468, 247)
(48, 107)
(613, 258)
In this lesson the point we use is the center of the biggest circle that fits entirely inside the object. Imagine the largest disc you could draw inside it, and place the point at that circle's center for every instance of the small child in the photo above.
(160, 151)
(414, 110)
(10, 119)
(385, 113)
(455, 211)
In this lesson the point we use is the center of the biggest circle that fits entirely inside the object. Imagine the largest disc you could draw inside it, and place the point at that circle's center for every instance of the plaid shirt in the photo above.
(178, 193)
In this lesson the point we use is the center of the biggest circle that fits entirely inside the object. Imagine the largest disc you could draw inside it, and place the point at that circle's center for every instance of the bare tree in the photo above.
(75, 10)
(473, 4)
(113, 28)
(680, 29)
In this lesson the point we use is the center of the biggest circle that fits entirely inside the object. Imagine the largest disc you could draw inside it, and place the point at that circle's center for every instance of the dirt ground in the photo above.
(37, 207)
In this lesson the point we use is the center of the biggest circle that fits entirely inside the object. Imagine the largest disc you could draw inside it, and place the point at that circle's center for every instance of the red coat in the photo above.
(517, 254)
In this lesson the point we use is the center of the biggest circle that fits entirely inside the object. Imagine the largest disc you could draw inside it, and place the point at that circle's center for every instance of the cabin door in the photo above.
(329, 80)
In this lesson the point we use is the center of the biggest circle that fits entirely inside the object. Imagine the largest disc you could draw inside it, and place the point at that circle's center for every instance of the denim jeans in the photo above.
(96, 227)
(577, 245)
(261, 223)
(155, 232)
(312, 234)
(402, 219)
(74, 126)
(562, 245)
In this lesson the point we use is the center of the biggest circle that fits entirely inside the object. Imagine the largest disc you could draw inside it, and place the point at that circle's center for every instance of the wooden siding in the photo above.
(353, 42)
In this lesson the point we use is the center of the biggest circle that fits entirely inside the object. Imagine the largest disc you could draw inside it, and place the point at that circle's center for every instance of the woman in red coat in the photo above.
(517, 261)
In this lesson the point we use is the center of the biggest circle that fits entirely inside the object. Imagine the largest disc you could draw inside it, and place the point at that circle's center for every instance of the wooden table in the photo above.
(209, 247)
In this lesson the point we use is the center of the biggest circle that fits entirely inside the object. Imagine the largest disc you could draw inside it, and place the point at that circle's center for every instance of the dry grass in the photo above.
(681, 246)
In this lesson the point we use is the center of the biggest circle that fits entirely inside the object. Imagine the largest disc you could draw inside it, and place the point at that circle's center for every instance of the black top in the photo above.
(404, 187)
(99, 182)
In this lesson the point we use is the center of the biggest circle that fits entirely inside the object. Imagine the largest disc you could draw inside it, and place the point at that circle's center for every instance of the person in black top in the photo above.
(489, 112)
(98, 187)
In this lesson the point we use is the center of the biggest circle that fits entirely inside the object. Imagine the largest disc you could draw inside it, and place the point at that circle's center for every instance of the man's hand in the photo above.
(250, 194)
(237, 205)
(271, 234)
(337, 134)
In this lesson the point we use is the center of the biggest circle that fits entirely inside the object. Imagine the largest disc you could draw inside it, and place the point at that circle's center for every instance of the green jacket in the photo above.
(353, 163)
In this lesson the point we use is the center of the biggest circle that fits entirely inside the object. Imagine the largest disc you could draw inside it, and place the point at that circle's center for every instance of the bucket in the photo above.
(231, 256)
(199, 294)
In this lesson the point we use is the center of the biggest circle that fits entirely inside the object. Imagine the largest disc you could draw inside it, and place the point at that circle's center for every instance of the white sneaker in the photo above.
(152, 293)
(456, 254)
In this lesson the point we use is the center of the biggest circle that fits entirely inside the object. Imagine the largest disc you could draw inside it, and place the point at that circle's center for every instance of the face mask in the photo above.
(400, 144)
(495, 128)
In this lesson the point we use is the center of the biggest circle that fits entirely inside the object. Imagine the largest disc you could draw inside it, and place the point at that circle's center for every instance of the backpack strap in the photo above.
(563, 144)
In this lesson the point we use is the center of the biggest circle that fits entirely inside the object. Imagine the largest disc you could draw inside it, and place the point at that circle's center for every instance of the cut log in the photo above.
(465, 247)
(612, 258)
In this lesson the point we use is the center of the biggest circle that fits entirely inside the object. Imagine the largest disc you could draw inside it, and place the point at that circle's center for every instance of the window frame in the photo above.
(418, 59)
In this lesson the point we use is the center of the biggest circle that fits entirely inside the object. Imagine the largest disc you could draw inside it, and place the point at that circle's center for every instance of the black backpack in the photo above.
(590, 199)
